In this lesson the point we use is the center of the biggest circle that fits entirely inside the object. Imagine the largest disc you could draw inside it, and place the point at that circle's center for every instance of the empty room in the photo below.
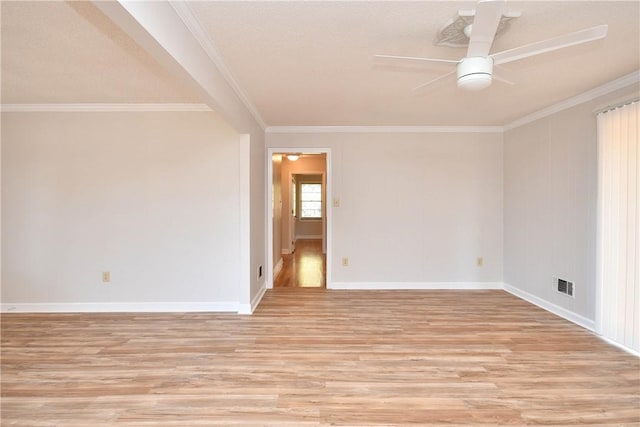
(320, 213)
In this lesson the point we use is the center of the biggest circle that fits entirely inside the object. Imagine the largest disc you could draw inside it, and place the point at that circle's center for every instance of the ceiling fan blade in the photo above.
(501, 79)
(503, 75)
(412, 58)
(571, 39)
(483, 29)
(416, 90)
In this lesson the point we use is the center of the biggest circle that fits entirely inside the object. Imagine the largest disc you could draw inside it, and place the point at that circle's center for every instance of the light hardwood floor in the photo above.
(305, 268)
(311, 357)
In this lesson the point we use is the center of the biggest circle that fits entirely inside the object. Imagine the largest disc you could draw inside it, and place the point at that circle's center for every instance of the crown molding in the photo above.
(384, 129)
(625, 81)
(195, 27)
(590, 95)
(100, 108)
(616, 103)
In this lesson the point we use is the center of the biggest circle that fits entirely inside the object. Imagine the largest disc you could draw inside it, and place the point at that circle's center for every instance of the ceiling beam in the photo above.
(159, 29)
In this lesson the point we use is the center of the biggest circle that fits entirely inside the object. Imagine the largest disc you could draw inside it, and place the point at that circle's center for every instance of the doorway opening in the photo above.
(299, 218)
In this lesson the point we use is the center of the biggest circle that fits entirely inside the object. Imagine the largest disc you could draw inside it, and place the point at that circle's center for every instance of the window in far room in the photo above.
(310, 200)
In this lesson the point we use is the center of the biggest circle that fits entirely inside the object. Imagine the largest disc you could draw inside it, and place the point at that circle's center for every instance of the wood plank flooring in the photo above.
(305, 268)
(311, 357)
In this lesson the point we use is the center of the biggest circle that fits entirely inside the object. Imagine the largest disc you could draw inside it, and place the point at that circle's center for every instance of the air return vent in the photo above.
(563, 286)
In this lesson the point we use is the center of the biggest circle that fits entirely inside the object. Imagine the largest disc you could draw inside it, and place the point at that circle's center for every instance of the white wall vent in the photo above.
(564, 286)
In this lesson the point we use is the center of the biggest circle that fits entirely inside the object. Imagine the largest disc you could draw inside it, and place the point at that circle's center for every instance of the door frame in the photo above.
(293, 202)
(269, 207)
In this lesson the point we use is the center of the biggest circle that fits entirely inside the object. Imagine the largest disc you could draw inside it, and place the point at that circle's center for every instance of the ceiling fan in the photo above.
(475, 70)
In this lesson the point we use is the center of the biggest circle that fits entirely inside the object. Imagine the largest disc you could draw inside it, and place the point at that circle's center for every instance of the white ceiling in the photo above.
(69, 52)
(310, 63)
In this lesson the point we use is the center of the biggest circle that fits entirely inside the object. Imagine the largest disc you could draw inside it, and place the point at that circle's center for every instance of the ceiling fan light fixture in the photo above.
(478, 29)
(474, 82)
(474, 73)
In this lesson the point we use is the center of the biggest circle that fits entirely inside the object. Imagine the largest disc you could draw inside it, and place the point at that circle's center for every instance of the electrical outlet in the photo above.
(345, 262)
(479, 261)
(106, 276)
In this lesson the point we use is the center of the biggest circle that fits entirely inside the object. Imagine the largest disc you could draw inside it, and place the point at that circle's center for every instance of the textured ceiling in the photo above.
(311, 63)
(69, 52)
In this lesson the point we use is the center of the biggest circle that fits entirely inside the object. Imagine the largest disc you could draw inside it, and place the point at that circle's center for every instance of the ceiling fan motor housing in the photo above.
(474, 73)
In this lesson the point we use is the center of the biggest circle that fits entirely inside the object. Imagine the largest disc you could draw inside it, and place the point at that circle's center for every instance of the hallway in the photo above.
(305, 268)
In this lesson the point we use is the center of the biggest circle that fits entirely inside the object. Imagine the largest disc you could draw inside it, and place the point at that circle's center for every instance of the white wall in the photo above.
(550, 207)
(415, 209)
(151, 197)
(276, 204)
(258, 225)
(172, 35)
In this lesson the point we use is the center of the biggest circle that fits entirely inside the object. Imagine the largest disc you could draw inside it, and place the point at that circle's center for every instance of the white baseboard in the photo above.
(620, 346)
(414, 285)
(278, 268)
(308, 236)
(250, 308)
(171, 307)
(119, 307)
(552, 308)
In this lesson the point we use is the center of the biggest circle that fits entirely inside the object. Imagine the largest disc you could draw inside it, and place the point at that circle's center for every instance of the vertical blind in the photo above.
(619, 225)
